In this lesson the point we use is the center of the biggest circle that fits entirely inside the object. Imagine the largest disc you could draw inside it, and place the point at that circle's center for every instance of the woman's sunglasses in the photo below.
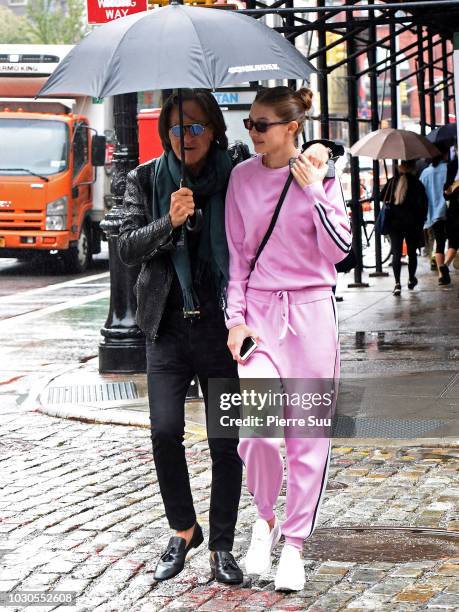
(261, 126)
(195, 129)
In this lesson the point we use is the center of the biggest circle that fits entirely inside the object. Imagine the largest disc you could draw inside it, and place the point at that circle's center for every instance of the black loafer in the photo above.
(172, 560)
(224, 568)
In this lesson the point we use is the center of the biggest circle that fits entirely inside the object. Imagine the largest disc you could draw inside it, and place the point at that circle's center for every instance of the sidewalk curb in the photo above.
(93, 413)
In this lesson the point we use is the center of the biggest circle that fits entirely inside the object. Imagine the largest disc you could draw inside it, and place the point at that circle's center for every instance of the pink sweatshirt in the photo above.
(311, 235)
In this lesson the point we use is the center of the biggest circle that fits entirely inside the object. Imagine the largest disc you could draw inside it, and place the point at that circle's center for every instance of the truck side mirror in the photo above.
(98, 150)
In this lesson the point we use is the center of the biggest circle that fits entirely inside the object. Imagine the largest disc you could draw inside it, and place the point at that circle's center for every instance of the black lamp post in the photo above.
(122, 348)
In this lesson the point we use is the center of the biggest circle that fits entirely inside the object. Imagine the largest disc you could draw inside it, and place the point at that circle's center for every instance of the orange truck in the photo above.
(52, 194)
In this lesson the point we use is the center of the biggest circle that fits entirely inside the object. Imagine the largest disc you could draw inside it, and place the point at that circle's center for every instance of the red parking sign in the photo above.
(101, 11)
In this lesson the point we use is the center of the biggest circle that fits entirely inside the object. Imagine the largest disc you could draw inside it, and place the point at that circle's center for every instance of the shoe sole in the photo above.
(212, 574)
(267, 569)
(445, 276)
(294, 588)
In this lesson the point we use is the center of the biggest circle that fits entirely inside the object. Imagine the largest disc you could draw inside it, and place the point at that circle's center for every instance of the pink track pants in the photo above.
(299, 339)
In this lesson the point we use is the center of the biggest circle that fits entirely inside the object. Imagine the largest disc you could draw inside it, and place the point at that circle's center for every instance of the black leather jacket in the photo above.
(148, 241)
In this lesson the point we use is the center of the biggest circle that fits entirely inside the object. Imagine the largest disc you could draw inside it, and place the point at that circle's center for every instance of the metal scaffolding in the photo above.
(379, 37)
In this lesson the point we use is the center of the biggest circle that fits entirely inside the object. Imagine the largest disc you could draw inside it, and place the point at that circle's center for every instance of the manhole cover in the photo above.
(80, 394)
(14, 445)
(367, 545)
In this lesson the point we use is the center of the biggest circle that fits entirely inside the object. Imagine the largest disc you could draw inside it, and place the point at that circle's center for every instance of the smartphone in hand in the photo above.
(247, 348)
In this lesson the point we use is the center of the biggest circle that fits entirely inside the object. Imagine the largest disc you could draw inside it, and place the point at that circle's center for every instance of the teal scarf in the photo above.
(213, 248)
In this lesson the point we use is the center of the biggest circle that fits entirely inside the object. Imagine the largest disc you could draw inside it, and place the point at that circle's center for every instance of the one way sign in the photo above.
(102, 11)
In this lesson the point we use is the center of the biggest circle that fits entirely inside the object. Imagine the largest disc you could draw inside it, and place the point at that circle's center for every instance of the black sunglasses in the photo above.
(261, 126)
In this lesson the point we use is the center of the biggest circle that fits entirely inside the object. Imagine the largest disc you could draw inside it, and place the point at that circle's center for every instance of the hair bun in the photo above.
(305, 95)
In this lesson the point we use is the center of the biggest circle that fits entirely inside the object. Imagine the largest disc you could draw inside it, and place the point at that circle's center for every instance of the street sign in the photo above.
(102, 11)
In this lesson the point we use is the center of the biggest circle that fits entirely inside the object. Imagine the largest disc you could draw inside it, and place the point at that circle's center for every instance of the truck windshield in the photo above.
(33, 146)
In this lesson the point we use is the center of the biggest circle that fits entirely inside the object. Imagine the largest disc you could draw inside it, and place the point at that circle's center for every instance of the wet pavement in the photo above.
(80, 506)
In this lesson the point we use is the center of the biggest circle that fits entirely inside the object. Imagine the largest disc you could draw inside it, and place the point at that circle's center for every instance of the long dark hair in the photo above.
(209, 106)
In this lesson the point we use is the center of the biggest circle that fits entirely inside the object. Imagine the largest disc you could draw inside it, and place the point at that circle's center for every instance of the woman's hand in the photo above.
(182, 206)
(305, 173)
(236, 337)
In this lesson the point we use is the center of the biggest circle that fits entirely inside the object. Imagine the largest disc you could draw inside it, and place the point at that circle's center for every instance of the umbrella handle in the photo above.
(195, 222)
(180, 244)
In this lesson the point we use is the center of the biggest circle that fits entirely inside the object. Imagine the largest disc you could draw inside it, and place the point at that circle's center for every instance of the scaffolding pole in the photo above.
(353, 110)
(371, 54)
(431, 92)
(322, 80)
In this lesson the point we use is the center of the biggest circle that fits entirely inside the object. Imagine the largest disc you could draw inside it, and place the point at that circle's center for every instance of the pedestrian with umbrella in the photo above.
(404, 198)
(181, 287)
(180, 294)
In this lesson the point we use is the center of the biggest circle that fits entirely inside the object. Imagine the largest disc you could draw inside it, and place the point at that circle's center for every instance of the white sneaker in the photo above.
(290, 574)
(258, 558)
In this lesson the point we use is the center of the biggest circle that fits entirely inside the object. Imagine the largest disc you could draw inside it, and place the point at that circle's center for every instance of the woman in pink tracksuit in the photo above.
(286, 303)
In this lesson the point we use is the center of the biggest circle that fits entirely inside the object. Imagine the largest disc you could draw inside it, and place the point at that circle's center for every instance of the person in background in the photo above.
(452, 212)
(434, 178)
(407, 216)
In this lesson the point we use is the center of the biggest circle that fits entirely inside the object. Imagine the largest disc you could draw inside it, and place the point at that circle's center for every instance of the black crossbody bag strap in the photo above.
(273, 220)
(338, 151)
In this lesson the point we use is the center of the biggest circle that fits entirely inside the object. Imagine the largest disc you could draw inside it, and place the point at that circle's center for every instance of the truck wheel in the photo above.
(78, 258)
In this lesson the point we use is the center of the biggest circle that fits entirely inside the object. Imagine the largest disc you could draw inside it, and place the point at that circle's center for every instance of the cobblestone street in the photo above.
(149, 151)
(82, 512)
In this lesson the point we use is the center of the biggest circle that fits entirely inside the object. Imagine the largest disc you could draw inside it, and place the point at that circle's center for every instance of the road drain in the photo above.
(107, 392)
(372, 544)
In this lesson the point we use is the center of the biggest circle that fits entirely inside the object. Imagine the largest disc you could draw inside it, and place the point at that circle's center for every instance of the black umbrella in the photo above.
(446, 134)
(174, 47)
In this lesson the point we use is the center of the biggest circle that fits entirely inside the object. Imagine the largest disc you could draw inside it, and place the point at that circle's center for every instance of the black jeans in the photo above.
(185, 348)
(412, 241)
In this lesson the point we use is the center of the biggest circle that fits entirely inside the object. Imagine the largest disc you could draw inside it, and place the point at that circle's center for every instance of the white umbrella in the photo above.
(389, 143)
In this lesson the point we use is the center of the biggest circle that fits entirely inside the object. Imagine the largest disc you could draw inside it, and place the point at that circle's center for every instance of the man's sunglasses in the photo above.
(195, 129)
(261, 126)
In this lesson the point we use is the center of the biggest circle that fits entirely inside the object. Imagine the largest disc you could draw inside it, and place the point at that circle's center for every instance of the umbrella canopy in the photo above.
(173, 47)
(389, 143)
(444, 135)
(176, 46)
